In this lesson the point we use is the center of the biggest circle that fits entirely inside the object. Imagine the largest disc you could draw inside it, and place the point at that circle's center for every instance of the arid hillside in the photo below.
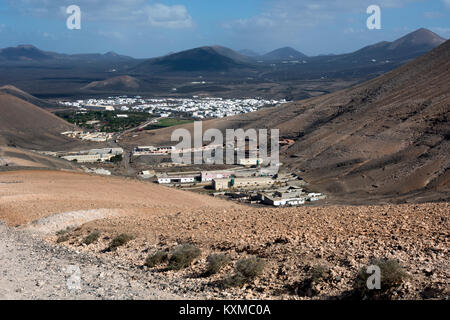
(293, 242)
(385, 140)
(16, 92)
(26, 125)
(30, 195)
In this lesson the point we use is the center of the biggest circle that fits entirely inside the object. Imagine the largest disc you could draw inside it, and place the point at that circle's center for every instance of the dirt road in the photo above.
(33, 269)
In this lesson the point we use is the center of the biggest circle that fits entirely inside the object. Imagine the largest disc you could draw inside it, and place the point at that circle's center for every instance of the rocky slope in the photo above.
(384, 140)
(292, 241)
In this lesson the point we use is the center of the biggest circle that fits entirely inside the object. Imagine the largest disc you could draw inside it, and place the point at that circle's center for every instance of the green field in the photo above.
(108, 119)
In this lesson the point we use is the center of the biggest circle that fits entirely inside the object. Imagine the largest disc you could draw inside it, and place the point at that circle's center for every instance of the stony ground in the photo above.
(31, 268)
(291, 241)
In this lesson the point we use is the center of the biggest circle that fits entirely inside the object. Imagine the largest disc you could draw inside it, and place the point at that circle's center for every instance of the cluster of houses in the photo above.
(152, 151)
(168, 150)
(89, 136)
(252, 188)
(288, 197)
(93, 155)
(195, 107)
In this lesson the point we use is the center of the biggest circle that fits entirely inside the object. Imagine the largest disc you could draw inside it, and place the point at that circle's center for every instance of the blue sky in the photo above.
(147, 28)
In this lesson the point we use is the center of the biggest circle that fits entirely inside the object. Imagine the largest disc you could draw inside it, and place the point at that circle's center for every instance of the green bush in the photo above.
(119, 241)
(63, 238)
(183, 256)
(245, 271)
(215, 263)
(157, 258)
(91, 237)
(392, 276)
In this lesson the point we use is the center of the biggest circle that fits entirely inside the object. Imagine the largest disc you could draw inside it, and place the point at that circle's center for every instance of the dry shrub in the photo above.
(156, 259)
(119, 241)
(183, 256)
(91, 237)
(246, 270)
(392, 276)
(215, 263)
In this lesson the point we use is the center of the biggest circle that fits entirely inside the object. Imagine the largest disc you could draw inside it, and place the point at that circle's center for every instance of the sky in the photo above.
(147, 28)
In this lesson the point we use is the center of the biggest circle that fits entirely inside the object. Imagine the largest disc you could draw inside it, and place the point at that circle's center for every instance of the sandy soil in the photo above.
(33, 269)
(291, 240)
(26, 196)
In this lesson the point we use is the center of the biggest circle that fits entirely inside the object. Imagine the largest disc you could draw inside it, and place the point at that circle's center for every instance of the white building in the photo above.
(250, 162)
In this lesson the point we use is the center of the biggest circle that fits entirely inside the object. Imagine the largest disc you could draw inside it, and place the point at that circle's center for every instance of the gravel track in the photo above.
(31, 268)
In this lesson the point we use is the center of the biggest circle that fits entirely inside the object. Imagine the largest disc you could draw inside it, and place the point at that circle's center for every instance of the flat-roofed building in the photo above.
(164, 180)
(221, 184)
(85, 158)
(211, 175)
(251, 182)
(113, 151)
(277, 200)
(176, 180)
(248, 162)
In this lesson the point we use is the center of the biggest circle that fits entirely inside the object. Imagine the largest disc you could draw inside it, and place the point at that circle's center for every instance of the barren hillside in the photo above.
(30, 195)
(386, 139)
(292, 241)
(27, 125)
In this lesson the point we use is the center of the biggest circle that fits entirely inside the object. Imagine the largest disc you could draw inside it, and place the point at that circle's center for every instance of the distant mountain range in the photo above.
(29, 53)
(49, 73)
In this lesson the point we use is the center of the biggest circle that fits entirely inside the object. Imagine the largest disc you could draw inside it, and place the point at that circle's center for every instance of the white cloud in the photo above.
(111, 34)
(160, 15)
(446, 3)
(131, 12)
(433, 15)
(291, 14)
(443, 32)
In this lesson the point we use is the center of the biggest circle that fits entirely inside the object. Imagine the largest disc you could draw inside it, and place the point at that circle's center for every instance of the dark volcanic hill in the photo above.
(286, 53)
(410, 46)
(387, 139)
(120, 83)
(24, 53)
(206, 59)
(29, 53)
